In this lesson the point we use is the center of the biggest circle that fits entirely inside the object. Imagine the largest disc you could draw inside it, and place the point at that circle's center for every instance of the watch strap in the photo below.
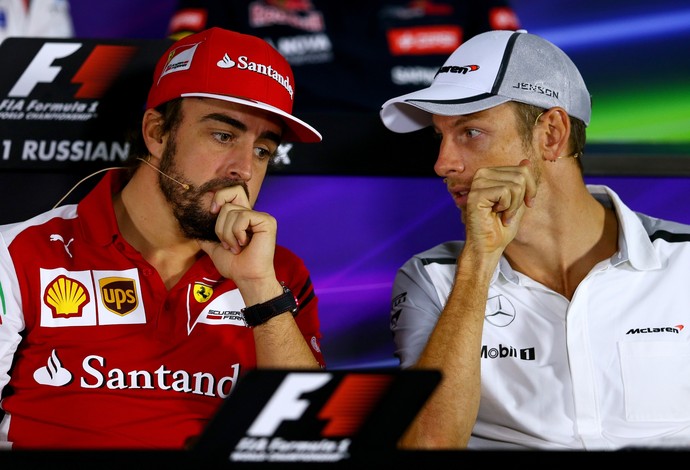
(258, 314)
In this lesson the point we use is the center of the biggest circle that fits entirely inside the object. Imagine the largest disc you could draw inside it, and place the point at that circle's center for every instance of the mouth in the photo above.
(459, 195)
(220, 184)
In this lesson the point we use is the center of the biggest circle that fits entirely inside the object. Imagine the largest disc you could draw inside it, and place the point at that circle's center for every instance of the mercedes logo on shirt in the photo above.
(499, 311)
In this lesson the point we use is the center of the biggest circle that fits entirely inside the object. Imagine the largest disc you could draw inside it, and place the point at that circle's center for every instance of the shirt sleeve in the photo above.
(420, 291)
(11, 315)
(415, 309)
(292, 271)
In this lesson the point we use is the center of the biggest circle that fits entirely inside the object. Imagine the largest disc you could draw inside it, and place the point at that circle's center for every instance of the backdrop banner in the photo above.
(70, 104)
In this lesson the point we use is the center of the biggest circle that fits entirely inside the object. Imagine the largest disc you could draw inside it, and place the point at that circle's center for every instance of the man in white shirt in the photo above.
(559, 322)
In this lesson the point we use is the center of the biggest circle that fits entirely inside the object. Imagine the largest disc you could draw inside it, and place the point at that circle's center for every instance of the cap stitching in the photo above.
(507, 54)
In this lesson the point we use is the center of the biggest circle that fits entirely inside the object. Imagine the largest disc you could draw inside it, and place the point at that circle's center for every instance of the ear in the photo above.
(554, 127)
(152, 131)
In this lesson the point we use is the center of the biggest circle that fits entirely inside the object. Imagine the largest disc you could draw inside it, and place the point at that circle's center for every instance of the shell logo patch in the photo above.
(66, 297)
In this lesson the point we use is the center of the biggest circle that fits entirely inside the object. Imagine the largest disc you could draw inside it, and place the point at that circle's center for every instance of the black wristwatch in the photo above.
(261, 313)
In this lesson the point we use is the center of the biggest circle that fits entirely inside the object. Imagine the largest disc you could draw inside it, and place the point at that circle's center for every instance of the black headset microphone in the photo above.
(184, 185)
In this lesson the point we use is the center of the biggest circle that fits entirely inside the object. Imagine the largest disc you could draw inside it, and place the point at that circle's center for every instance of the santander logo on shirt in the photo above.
(96, 375)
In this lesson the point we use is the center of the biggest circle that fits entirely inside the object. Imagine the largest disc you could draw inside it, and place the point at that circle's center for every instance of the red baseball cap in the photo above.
(230, 66)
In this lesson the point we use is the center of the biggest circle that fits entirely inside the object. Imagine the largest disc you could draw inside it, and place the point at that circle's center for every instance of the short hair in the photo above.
(172, 115)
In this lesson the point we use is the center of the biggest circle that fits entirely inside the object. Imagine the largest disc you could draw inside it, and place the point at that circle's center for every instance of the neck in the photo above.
(147, 223)
(562, 238)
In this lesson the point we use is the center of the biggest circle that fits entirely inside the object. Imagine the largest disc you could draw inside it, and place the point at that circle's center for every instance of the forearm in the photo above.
(447, 419)
(279, 341)
(280, 344)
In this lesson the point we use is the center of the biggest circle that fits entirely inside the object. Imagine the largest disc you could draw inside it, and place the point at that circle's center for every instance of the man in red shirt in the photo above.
(127, 318)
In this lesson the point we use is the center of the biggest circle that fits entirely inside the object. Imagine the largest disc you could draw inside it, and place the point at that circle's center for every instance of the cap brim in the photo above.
(413, 111)
(296, 130)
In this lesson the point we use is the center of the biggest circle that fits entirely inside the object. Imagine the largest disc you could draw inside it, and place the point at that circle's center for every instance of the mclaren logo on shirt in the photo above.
(657, 329)
(89, 298)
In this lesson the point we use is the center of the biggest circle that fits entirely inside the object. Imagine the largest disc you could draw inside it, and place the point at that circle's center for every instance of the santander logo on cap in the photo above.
(181, 59)
(245, 63)
(234, 67)
(226, 62)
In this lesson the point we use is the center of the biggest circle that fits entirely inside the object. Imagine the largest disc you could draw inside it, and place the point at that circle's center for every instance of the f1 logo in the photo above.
(346, 409)
(286, 404)
(96, 74)
(41, 69)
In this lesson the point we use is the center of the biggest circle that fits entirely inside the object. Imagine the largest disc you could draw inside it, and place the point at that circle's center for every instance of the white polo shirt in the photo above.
(608, 370)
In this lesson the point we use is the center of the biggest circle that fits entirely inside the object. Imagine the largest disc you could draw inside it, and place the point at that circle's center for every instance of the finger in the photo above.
(236, 195)
(504, 190)
(242, 227)
(231, 228)
(500, 198)
(236, 226)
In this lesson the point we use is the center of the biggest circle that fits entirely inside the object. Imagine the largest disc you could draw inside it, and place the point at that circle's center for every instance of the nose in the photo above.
(449, 160)
(240, 162)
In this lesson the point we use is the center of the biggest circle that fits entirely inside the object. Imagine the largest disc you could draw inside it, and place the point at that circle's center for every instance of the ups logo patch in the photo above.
(119, 294)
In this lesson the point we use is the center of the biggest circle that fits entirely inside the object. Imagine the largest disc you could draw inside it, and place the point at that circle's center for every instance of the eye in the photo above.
(263, 153)
(469, 132)
(223, 137)
(472, 133)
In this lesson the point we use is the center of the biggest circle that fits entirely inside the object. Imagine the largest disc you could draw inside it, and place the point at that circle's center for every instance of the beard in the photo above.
(196, 221)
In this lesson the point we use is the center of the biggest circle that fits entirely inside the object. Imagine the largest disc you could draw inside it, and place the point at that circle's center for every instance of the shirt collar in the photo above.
(634, 245)
(95, 211)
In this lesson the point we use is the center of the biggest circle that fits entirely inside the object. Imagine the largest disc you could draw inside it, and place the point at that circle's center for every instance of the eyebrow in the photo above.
(240, 125)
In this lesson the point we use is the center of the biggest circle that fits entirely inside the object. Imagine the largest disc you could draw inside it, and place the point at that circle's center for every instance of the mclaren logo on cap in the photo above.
(461, 69)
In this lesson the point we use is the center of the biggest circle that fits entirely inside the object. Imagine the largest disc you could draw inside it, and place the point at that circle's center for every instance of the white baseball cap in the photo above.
(489, 69)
